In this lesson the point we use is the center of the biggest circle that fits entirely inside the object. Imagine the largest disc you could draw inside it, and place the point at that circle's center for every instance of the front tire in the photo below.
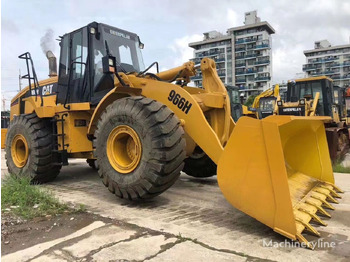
(29, 149)
(140, 148)
(199, 164)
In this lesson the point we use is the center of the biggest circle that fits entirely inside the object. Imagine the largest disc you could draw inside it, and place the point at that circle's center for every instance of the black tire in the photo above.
(41, 165)
(92, 163)
(199, 164)
(162, 141)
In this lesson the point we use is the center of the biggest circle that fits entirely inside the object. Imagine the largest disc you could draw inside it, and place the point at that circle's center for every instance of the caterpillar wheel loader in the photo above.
(141, 127)
(316, 96)
(264, 104)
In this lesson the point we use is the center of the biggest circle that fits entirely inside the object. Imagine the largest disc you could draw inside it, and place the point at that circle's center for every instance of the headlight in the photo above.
(279, 103)
(302, 101)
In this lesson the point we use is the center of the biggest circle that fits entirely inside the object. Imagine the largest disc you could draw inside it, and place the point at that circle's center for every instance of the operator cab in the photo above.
(236, 107)
(266, 106)
(307, 88)
(82, 77)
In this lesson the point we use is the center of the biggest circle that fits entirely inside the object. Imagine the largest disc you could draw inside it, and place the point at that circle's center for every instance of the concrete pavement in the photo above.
(191, 221)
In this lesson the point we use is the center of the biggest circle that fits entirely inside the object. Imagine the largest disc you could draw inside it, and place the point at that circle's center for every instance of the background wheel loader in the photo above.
(264, 104)
(5, 121)
(141, 127)
(316, 96)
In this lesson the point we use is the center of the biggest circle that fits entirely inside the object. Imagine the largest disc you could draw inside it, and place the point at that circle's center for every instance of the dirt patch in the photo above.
(18, 234)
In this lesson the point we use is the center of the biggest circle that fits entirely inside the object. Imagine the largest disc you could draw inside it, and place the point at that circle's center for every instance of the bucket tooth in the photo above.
(319, 208)
(308, 227)
(333, 192)
(337, 189)
(326, 192)
(322, 198)
(314, 216)
(302, 239)
(324, 202)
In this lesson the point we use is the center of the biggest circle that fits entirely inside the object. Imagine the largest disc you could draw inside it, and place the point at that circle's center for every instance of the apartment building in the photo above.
(332, 61)
(243, 55)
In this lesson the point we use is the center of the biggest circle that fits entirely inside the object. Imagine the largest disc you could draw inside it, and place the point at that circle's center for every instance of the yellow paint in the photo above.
(313, 79)
(75, 136)
(33, 103)
(124, 149)
(19, 151)
(47, 81)
(271, 169)
(73, 107)
(3, 137)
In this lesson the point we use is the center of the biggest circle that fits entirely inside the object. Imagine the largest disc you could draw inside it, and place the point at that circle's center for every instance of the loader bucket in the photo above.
(278, 170)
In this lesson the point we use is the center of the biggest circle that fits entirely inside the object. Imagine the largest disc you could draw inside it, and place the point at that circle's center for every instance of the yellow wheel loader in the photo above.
(316, 96)
(264, 104)
(141, 127)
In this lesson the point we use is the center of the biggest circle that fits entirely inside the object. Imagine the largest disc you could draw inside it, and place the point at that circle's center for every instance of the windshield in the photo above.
(267, 103)
(125, 48)
(233, 94)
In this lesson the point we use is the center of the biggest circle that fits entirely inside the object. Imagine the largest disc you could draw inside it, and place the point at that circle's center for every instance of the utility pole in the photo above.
(19, 79)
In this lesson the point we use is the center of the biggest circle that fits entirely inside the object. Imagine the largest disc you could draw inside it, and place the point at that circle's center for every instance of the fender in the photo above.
(115, 94)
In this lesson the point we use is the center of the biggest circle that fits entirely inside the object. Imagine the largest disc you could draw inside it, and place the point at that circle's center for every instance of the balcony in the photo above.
(261, 62)
(309, 67)
(249, 71)
(251, 40)
(317, 61)
(239, 41)
(334, 65)
(263, 46)
(251, 48)
(330, 59)
(241, 49)
(347, 63)
(262, 78)
(240, 65)
(319, 73)
(220, 60)
(250, 55)
(240, 80)
(240, 57)
(329, 72)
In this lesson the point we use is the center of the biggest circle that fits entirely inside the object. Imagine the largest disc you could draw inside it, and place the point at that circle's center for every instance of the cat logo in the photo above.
(47, 90)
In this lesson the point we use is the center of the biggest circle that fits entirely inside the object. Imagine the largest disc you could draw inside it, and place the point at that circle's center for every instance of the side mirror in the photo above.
(108, 64)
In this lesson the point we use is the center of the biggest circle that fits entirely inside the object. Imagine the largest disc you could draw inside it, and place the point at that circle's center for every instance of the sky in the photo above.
(166, 27)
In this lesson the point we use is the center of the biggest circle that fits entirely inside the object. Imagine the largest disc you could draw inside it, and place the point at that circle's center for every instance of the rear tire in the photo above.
(29, 149)
(154, 161)
(199, 164)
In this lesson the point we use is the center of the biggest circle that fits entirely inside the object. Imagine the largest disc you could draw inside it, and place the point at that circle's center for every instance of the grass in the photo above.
(339, 168)
(27, 200)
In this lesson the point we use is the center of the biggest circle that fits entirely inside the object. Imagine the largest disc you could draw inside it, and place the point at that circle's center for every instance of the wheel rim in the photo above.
(124, 149)
(19, 150)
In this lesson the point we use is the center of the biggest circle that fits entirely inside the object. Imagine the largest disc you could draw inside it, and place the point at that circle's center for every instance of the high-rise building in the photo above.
(332, 61)
(243, 56)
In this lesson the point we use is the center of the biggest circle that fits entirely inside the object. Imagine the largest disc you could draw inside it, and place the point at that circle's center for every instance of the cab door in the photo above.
(73, 83)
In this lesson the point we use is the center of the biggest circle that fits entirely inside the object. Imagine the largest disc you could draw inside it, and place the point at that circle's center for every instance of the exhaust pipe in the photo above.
(52, 64)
